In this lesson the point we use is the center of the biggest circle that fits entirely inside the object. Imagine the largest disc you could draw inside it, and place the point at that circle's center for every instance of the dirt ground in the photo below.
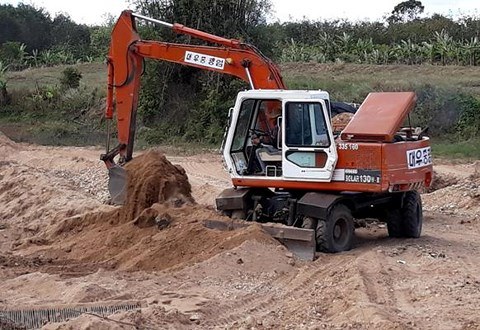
(62, 246)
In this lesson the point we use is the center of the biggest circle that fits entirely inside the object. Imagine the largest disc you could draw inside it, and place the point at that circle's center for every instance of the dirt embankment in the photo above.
(455, 190)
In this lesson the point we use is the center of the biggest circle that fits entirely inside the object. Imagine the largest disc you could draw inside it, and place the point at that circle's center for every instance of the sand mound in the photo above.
(441, 181)
(183, 240)
(159, 227)
(463, 196)
(154, 317)
(6, 143)
(33, 200)
(153, 179)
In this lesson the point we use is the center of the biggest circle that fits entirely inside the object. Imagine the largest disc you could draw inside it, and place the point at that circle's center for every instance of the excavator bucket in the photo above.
(117, 184)
(301, 242)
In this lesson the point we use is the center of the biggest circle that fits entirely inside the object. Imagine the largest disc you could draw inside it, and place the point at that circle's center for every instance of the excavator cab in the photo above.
(281, 135)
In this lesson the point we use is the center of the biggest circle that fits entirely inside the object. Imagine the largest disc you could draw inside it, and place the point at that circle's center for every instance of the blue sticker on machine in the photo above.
(363, 176)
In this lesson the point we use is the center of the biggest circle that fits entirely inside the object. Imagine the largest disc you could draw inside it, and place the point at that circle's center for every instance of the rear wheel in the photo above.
(336, 233)
(412, 214)
(406, 221)
(394, 223)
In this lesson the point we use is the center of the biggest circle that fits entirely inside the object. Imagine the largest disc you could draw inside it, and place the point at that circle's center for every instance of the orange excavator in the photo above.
(287, 164)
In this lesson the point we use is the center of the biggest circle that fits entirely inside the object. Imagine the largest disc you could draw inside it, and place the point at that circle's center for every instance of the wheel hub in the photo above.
(340, 231)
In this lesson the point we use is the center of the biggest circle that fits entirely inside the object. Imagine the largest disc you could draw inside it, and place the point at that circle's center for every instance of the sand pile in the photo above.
(340, 121)
(463, 196)
(159, 227)
(153, 179)
(6, 143)
(34, 199)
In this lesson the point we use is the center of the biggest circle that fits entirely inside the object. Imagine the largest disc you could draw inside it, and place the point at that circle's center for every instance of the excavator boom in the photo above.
(125, 66)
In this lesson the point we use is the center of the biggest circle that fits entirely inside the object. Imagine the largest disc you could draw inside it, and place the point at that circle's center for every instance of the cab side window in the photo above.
(305, 125)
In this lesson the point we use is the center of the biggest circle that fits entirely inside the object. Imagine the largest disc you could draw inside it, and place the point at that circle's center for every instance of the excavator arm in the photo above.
(125, 66)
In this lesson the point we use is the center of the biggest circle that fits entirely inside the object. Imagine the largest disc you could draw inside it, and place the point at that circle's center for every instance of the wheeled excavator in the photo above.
(290, 170)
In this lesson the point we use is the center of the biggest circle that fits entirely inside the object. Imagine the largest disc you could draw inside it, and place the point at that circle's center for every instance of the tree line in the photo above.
(30, 37)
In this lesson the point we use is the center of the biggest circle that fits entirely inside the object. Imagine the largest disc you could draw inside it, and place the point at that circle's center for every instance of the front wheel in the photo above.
(336, 233)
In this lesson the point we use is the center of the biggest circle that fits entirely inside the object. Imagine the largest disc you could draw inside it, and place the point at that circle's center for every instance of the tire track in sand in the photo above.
(299, 286)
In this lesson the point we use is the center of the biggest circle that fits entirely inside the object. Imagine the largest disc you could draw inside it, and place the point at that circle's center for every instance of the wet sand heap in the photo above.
(153, 179)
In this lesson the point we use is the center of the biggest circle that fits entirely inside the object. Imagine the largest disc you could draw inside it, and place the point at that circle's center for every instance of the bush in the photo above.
(70, 78)
(468, 125)
(447, 112)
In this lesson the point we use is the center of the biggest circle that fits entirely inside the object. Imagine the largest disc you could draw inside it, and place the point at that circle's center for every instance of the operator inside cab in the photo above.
(267, 122)
(265, 138)
(267, 126)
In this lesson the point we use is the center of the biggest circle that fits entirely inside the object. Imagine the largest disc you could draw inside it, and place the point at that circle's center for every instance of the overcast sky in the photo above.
(94, 11)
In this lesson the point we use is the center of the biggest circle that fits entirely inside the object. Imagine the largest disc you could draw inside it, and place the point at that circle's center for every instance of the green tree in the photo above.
(70, 35)
(177, 97)
(100, 40)
(406, 11)
(25, 24)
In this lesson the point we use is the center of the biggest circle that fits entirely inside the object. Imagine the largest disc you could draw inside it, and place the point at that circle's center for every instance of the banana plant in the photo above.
(14, 54)
(345, 45)
(429, 50)
(471, 48)
(327, 44)
(443, 43)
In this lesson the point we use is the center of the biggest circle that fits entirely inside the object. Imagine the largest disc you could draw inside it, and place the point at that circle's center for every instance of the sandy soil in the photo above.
(62, 246)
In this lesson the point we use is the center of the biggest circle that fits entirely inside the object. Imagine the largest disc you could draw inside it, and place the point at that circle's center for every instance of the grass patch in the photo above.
(42, 113)
(94, 75)
(352, 82)
(463, 149)
(55, 133)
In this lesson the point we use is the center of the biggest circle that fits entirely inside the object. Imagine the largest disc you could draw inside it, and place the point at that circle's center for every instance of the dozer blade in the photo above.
(299, 241)
(117, 184)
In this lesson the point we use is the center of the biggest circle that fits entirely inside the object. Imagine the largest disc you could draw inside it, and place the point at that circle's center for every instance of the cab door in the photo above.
(308, 147)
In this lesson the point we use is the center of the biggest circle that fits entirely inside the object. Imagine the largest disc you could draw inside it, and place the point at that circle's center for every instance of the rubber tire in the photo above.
(407, 220)
(395, 224)
(339, 218)
(412, 215)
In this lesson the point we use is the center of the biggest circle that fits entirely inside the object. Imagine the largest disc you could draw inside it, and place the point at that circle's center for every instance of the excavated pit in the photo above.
(441, 181)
